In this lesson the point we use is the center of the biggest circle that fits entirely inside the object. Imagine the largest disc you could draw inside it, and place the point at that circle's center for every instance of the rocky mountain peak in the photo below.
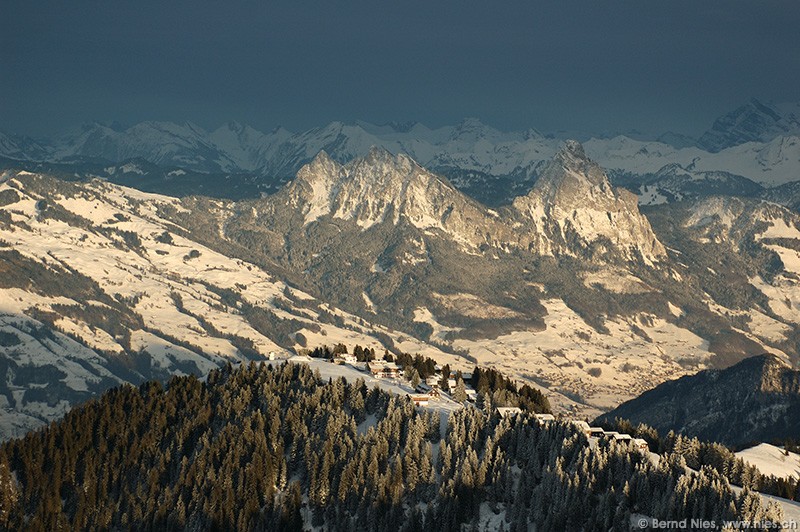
(574, 203)
(754, 121)
(572, 209)
(570, 176)
(573, 148)
(368, 189)
(322, 162)
(379, 167)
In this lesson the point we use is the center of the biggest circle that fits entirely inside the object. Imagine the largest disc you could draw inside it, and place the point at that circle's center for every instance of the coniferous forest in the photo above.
(264, 447)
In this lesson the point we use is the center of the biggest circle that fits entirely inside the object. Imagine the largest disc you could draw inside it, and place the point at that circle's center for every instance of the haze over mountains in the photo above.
(753, 146)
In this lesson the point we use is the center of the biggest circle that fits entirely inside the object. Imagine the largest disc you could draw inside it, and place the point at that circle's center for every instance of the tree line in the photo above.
(699, 454)
(263, 447)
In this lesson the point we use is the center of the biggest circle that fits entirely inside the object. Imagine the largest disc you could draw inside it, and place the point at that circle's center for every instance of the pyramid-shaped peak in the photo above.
(573, 150)
(573, 193)
(320, 165)
(571, 160)
(570, 170)
(322, 156)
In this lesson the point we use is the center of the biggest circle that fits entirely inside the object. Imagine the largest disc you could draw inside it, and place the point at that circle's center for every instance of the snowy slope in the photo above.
(98, 289)
(768, 163)
(771, 460)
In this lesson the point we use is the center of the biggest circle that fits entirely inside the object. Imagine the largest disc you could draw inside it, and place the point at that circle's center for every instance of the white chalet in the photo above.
(389, 370)
(420, 399)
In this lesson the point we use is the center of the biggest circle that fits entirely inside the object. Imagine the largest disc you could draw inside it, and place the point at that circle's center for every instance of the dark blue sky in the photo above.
(554, 65)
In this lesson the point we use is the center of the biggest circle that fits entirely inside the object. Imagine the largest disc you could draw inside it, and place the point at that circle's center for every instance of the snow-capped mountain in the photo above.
(571, 288)
(758, 142)
(752, 122)
(163, 143)
(240, 142)
(769, 164)
(676, 183)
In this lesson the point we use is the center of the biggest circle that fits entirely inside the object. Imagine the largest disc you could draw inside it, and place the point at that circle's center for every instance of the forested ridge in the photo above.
(698, 453)
(265, 447)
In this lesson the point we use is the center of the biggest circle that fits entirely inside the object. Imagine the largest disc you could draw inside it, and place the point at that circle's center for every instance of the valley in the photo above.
(570, 288)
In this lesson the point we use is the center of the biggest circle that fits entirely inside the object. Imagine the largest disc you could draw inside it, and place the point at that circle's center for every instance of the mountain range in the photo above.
(756, 145)
(570, 286)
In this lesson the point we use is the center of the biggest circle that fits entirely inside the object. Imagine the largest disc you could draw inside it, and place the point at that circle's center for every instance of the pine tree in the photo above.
(412, 375)
(460, 391)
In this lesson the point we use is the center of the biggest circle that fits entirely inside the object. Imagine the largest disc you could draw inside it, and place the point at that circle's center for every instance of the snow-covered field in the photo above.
(329, 370)
(174, 286)
(585, 372)
(771, 460)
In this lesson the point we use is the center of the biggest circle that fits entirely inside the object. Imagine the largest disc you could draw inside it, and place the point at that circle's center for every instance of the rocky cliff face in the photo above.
(381, 187)
(575, 207)
(758, 399)
(572, 210)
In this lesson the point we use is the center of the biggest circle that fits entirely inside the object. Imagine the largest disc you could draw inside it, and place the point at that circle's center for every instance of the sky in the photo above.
(559, 65)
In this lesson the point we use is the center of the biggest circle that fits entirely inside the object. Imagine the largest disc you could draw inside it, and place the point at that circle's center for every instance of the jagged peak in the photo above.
(322, 159)
(379, 159)
(321, 164)
(574, 149)
(378, 153)
(368, 188)
(570, 164)
(574, 192)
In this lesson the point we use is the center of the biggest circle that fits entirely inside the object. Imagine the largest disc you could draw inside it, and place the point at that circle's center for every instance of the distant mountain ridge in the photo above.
(571, 209)
(756, 400)
(752, 122)
(758, 142)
